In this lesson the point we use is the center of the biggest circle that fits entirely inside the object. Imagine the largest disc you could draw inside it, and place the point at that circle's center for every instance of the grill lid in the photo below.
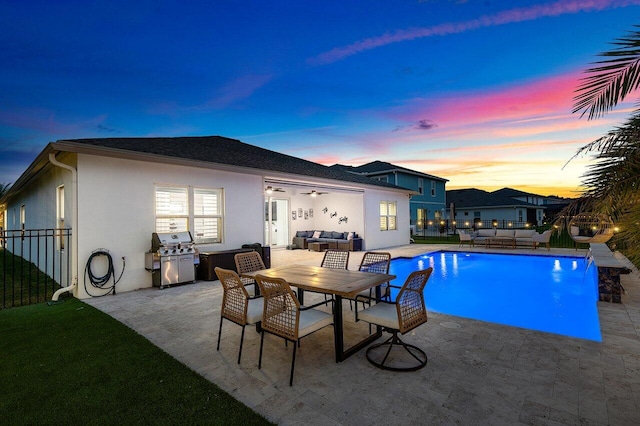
(170, 239)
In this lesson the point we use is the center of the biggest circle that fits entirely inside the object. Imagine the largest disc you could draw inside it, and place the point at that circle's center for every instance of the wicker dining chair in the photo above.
(403, 315)
(284, 317)
(335, 259)
(237, 305)
(248, 262)
(379, 263)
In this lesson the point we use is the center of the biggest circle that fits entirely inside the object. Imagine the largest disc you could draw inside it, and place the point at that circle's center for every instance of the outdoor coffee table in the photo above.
(317, 246)
(501, 241)
(338, 282)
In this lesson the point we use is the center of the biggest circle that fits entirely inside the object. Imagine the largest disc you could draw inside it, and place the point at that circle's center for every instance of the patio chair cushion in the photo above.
(384, 314)
(505, 233)
(486, 233)
(312, 320)
(254, 310)
(525, 233)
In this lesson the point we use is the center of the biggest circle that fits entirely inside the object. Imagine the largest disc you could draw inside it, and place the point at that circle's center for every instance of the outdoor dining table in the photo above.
(337, 282)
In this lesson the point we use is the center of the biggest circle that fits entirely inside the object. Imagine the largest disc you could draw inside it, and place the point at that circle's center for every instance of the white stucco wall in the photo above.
(40, 204)
(375, 238)
(117, 213)
(338, 204)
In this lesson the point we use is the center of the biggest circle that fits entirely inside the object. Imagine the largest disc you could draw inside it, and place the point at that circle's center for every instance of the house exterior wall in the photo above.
(40, 203)
(117, 212)
(375, 238)
(339, 205)
(464, 215)
(531, 199)
(427, 201)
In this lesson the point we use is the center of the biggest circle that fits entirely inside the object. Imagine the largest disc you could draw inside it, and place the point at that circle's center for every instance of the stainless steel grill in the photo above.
(172, 258)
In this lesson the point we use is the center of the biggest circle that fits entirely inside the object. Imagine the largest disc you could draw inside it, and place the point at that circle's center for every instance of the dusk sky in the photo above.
(478, 91)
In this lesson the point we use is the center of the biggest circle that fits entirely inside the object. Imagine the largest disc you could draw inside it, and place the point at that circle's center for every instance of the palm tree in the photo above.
(612, 180)
(4, 187)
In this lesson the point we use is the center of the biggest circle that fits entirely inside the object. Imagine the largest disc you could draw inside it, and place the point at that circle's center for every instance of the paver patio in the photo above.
(478, 372)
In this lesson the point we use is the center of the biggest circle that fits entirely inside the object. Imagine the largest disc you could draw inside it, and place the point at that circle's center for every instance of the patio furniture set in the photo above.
(277, 310)
(509, 238)
(327, 240)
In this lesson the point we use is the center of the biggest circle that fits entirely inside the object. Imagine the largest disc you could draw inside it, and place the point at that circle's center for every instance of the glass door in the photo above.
(276, 222)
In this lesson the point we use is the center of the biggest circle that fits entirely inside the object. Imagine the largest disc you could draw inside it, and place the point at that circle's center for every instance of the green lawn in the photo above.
(72, 364)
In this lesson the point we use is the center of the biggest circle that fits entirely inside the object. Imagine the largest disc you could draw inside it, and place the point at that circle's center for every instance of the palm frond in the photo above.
(611, 80)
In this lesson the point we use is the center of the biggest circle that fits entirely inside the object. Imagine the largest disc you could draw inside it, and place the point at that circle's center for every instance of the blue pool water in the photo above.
(545, 293)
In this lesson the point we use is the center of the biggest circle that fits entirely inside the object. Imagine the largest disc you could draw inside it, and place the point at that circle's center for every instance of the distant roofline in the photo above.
(394, 168)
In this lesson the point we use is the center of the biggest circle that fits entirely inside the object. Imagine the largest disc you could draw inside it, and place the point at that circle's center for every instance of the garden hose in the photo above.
(102, 282)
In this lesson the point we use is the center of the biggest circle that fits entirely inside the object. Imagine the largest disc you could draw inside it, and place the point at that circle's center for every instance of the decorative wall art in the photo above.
(325, 210)
(334, 214)
(300, 213)
(306, 214)
(293, 215)
(343, 219)
(310, 212)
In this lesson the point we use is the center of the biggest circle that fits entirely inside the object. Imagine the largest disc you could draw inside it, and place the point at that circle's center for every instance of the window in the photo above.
(387, 215)
(207, 215)
(420, 185)
(433, 189)
(23, 216)
(190, 209)
(384, 178)
(60, 214)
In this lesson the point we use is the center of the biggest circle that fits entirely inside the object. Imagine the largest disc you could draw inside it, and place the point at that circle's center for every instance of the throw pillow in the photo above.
(350, 235)
(317, 234)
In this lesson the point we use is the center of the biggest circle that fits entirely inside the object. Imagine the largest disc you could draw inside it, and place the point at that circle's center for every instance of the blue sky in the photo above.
(476, 91)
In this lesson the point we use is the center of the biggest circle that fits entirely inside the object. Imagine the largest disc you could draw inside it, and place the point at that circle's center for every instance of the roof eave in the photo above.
(35, 168)
(70, 146)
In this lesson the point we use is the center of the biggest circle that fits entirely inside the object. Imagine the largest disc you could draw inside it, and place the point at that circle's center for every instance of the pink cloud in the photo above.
(561, 7)
(523, 102)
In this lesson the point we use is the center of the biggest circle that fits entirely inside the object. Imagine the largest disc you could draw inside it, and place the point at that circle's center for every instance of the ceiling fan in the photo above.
(314, 193)
(271, 190)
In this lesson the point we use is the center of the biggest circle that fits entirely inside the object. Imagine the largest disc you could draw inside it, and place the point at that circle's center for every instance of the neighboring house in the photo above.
(115, 192)
(475, 207)
(553, 204)
(429, 202)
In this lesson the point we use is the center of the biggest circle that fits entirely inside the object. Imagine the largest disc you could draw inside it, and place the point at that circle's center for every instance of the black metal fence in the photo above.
(445, 230)
(34, 263)
(442, 228)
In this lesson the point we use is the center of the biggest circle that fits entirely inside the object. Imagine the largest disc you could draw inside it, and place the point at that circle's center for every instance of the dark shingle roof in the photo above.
(510, 192)
(220, 150)
(470, 198)
(380, 167)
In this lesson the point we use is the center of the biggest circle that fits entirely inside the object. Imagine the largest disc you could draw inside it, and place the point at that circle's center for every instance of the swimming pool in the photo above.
(544, 293)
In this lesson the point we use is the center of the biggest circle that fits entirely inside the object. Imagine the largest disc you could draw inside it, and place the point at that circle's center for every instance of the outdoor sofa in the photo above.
(335, 240)
(523, 237)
